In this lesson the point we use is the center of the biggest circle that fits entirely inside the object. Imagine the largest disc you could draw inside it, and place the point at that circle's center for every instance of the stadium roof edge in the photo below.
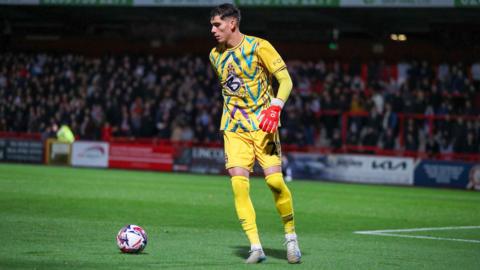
(257, 3)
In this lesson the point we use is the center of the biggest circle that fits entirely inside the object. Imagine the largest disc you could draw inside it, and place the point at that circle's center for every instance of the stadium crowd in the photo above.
(411, 105)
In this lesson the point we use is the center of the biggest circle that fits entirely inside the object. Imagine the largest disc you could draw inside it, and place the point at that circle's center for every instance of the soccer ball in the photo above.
(131, 239)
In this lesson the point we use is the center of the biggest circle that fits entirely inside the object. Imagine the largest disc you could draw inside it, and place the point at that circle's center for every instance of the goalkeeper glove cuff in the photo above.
(270, 117)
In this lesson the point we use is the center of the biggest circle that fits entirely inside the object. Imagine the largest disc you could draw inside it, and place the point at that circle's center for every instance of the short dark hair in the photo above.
(226, 10)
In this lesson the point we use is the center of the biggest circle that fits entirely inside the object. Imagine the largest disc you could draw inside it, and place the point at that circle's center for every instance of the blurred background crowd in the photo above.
(412, 105)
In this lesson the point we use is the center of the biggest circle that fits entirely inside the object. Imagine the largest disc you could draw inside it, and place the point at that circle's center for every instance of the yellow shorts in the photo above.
(242, 148)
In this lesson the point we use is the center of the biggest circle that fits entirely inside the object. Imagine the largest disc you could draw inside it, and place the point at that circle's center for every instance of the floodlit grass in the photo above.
(66, 218)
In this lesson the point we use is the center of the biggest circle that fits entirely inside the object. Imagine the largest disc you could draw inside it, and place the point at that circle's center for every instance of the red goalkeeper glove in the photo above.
(270, 117)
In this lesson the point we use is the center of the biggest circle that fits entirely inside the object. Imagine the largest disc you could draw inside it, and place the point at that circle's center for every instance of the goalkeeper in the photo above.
(245, 66)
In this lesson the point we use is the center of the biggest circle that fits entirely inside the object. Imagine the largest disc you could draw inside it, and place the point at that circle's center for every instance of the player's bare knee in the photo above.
(238, 171)
(271, 170)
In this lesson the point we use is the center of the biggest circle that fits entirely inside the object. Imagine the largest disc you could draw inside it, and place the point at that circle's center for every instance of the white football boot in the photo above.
(293, 251)
(256, 256)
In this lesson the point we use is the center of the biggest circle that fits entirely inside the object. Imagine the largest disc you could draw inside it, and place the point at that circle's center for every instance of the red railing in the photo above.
(345, 148)
(20, 135)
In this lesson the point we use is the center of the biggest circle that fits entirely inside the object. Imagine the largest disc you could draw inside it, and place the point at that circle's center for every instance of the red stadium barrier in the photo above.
(430, 120)
(141, 156)
(20, 135)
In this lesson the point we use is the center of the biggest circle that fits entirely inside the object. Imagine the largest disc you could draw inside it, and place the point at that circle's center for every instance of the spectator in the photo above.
(411, 143)
(145, 96)
(389, 118)
(469, 145)
(459, 135)
(475, 69)
(388, 140)
(336, 140)
(445, 145)
(369, 137)
(432, 148)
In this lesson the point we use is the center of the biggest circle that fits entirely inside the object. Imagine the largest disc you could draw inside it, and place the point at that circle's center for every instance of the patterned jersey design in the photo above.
(245, 73)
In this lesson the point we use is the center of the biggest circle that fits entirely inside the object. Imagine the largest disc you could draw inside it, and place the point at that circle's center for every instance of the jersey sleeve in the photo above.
(211, 57)
(270, 57)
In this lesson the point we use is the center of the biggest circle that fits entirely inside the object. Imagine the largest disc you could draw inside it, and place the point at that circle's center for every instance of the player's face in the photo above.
(222, 29)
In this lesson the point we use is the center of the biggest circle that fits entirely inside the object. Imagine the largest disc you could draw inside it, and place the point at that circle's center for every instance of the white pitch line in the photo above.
(390, 233)
(420, 229)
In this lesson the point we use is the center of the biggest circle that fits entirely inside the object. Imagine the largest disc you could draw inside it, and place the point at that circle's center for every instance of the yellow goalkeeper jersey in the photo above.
(245, 73)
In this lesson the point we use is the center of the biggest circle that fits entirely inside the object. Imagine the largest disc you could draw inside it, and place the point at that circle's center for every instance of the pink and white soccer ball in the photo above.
(131, 239)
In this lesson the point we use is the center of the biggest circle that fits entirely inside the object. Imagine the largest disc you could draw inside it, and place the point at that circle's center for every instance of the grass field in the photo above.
(65, 218)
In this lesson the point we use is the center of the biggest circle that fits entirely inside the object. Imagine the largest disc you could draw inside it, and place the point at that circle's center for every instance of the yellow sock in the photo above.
(244, 207)
(283, 200)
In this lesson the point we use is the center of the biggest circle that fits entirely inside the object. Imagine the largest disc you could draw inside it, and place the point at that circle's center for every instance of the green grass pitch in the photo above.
(67, 218)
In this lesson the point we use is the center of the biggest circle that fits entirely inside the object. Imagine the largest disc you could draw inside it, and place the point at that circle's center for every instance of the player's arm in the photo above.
(212, 62)
(284, 85)
(270, 117)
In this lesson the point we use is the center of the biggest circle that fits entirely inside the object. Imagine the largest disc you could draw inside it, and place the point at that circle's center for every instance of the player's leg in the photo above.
(243, 203)
(246, 212)
(268, 152)
(282, 196)
(239, 159)
(284, 204)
